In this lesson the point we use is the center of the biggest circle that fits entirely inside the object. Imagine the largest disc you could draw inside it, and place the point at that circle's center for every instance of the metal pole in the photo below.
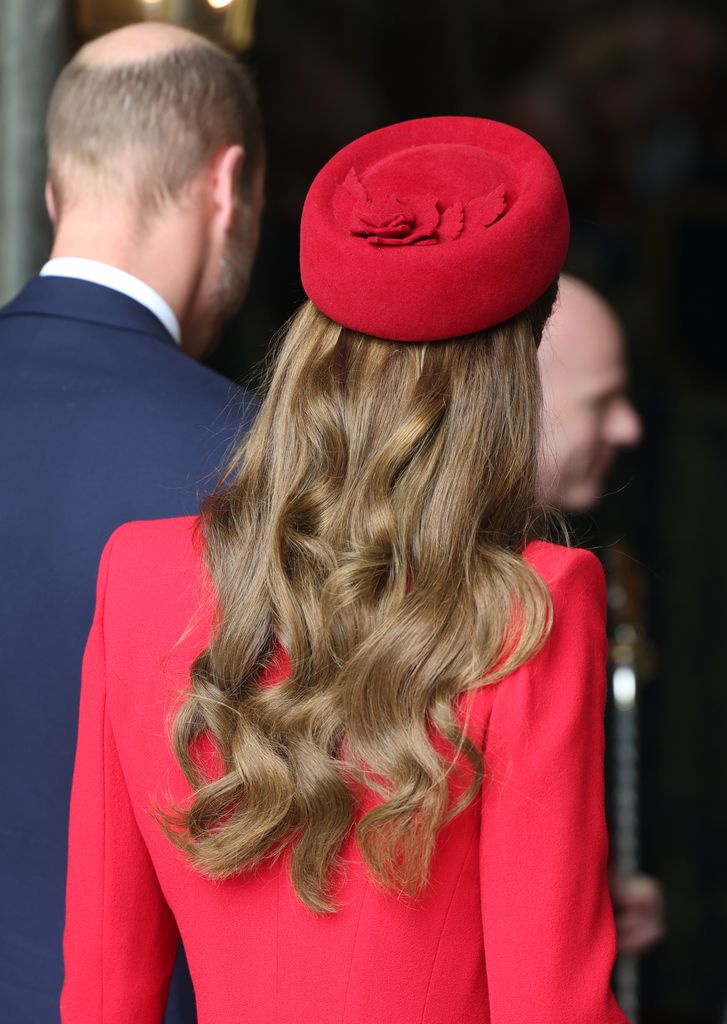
(630, 659)
(32, 51)
(626, 814)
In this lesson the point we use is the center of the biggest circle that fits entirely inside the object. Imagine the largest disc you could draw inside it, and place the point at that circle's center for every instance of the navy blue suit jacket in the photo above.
(102, 419)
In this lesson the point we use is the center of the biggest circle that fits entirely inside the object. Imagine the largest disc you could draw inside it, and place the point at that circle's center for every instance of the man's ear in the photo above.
(226, 169)
(50, 202)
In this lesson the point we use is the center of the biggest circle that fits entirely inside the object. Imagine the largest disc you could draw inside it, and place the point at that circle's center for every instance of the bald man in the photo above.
(154, 189)
(588, 416)
(588, 420)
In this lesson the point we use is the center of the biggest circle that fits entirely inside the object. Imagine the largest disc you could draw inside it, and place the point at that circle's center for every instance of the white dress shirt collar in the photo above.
(111, 277)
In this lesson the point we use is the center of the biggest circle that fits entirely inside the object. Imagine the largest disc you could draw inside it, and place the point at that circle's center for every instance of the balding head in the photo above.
(137, 113)
(588, 417)
(155, 167)
(137, 42)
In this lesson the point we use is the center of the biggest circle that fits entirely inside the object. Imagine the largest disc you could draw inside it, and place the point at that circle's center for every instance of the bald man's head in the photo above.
(140, 41)
(588, 416)
(156, 167)
(139, 111)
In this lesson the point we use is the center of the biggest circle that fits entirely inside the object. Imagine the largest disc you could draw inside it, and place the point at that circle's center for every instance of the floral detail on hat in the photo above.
(485, 210)
(451, 222)
(389, 220)
(383, 218)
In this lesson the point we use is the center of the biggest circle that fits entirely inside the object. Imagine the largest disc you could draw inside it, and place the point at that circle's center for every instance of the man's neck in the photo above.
(165, 256)
(97, 272)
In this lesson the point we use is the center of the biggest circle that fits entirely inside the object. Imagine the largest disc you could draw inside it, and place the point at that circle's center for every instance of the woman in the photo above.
(289, 708)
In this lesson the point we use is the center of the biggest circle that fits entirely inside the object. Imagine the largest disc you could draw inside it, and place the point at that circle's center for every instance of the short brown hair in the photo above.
(151, 124)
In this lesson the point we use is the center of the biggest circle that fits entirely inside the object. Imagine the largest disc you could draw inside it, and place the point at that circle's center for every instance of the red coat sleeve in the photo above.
(120, 937)
(547, 920)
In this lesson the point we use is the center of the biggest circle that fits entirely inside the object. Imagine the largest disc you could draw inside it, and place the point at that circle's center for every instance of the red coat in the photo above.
(514, 928)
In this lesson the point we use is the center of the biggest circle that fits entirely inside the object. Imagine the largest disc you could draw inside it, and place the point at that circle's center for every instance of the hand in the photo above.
(638, 906)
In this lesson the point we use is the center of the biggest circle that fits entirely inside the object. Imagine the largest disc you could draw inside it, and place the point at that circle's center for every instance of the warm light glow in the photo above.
(231, 23)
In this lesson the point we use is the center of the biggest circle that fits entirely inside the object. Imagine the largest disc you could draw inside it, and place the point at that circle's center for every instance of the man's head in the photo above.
(156, 157)
(588, 416)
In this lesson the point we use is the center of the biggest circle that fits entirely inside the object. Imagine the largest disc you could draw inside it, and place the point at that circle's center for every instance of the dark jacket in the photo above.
(103, 419)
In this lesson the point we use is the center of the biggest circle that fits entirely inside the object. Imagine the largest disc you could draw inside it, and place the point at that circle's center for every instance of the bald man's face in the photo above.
(588, 416)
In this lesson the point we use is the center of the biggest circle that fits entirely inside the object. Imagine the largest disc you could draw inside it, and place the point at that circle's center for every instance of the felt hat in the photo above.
(433, 228)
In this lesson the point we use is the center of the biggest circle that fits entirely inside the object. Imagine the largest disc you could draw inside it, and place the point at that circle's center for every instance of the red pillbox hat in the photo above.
(433, 228)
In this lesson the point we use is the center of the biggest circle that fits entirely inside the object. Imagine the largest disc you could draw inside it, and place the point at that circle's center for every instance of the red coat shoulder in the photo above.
(157, 599)
(153, 564)
(561, 567)
(149, 545)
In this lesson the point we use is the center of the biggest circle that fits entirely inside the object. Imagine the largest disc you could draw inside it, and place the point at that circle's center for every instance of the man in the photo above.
(589, 417)
(588, 420)
(155, 188)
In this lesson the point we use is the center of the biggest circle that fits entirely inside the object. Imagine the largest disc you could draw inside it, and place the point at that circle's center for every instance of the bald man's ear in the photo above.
(226, 170)
(50, 202)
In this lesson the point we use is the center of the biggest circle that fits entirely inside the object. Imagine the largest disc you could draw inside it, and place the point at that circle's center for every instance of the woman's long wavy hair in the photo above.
(370, 526)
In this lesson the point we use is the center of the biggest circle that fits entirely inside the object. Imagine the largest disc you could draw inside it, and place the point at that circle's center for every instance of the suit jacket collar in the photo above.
(73, 299)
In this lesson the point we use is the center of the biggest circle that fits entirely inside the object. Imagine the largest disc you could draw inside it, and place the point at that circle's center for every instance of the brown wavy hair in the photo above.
(371, 525)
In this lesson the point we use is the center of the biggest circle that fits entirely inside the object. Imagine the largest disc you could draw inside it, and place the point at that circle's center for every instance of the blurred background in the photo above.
(630, 99)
